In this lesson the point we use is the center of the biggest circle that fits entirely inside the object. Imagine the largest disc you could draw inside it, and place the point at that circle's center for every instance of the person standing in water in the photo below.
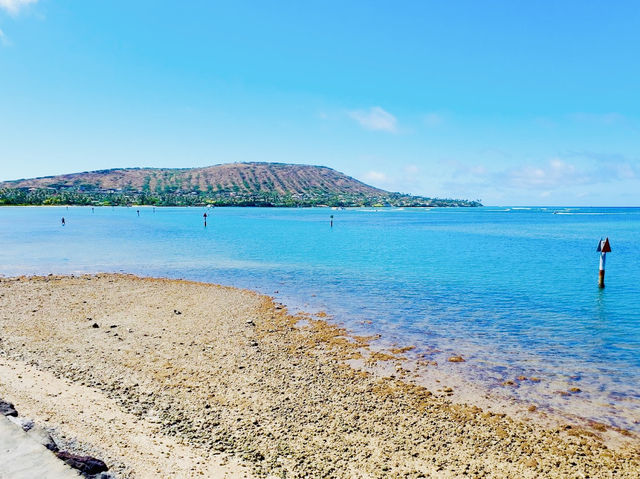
(63, 223)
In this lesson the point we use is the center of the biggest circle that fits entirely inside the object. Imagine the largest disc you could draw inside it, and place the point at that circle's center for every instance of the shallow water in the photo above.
(513, 290)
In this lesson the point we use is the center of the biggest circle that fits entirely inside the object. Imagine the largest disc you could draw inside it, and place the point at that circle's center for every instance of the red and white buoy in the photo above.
(603, 248)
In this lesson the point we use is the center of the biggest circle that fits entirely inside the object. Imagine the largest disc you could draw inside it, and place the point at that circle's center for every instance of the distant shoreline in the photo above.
(403, 201)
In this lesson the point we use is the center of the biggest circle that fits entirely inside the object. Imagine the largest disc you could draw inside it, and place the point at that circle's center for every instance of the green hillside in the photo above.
(234, 184)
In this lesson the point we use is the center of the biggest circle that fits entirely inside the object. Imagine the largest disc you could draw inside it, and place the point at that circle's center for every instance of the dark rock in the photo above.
(41, 435)
(25, 423)
(95, 325)
(84, 464)
(7, 409)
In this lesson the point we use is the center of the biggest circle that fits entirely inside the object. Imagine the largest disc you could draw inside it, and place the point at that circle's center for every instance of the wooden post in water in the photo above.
(603, 248)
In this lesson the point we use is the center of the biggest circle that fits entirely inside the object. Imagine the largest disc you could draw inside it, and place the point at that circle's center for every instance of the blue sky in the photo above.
(513, 102)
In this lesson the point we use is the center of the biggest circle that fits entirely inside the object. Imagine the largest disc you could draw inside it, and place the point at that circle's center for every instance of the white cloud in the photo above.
(375, 118)
(612, 167)
(471, 172)
(412, 169)
(406, 178)
(555, 174)
(547, 177)
(3, 38)
(14, 6)
(573, 177)
(375, 176)
(433, 119)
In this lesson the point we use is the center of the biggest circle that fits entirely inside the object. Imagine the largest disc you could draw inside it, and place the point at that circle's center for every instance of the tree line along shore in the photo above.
(47, 196)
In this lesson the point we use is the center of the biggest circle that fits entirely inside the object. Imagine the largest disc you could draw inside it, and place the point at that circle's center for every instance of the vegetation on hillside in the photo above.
(244, 184)
(41, 196)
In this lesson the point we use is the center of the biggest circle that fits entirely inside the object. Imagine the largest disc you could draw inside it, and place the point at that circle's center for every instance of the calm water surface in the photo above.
(514, 290)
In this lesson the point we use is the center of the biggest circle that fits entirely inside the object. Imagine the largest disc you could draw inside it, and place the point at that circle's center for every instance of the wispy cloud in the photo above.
(375, 118)
(375, 177)
(610, 167)
(412, 169)
(3, 39)
(400, 179)
(433, 119)
(14, 6)
(610, 119)
(556, 174)
(599, 118)
(464, 170)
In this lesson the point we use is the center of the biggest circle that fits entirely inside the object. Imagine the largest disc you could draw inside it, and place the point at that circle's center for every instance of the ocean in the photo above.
(512, 290)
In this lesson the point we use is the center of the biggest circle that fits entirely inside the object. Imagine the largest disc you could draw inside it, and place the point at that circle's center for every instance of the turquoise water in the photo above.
(512, 290)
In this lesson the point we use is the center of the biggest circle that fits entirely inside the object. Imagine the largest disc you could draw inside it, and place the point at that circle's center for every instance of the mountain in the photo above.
(233, 184)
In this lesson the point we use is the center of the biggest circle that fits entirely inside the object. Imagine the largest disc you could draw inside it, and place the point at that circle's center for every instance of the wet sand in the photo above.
(164, 378)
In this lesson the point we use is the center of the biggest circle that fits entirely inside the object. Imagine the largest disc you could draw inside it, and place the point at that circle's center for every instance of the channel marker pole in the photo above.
(603, 248)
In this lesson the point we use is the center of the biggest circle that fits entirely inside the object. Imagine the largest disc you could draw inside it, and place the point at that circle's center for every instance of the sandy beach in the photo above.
(166, 378)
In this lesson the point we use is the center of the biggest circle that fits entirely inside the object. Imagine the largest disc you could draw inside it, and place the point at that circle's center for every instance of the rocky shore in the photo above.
(164, 378)
(23, 452)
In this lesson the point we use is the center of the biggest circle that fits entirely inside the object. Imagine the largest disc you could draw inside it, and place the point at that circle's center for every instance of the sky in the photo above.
(511, 102)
